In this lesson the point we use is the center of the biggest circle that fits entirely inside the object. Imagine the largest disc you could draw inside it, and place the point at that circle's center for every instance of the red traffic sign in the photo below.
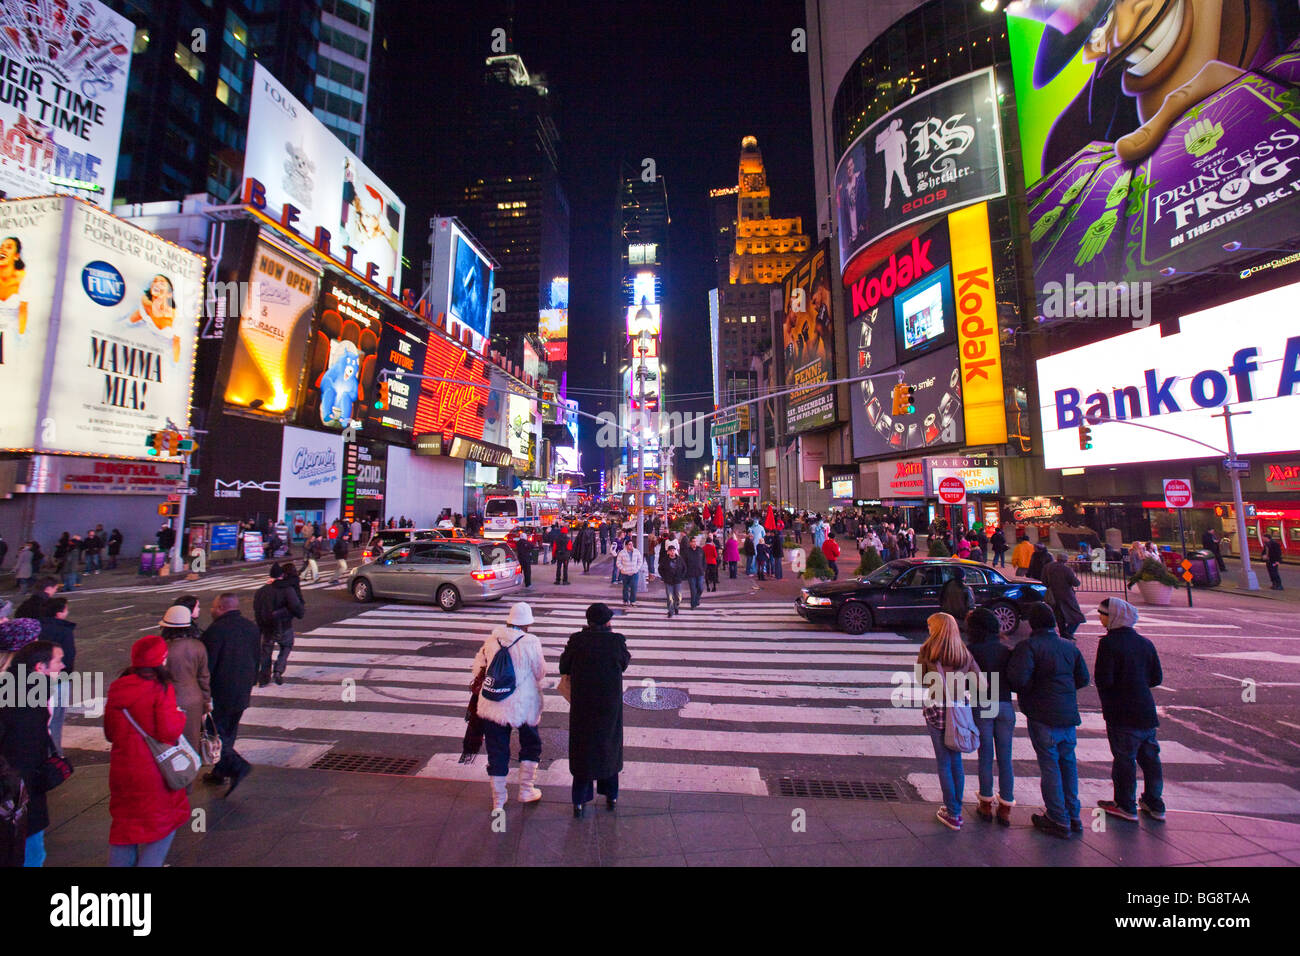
(1178, 493)
(952, 491)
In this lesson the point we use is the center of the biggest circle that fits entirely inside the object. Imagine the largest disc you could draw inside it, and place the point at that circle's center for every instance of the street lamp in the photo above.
(644, 346)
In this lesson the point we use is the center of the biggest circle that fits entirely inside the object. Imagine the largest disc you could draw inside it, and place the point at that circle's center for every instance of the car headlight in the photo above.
(813, 600)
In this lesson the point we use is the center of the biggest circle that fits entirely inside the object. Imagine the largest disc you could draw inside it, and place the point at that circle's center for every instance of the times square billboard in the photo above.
(1124, 192)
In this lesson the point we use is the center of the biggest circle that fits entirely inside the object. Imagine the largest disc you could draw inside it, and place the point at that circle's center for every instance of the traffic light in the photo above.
(173, 442)
(382, 402)
(1085, 437)
(904, 401)
(909, 400)
(154, 443)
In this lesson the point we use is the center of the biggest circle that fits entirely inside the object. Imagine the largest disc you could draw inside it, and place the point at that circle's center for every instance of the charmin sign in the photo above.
(901, 479)
(1034, 509)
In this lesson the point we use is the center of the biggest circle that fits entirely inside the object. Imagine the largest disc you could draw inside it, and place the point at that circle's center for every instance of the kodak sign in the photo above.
(977, 326)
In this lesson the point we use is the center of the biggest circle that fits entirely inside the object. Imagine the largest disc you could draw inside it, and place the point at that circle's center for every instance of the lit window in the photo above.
(223, 92)
(188, 62)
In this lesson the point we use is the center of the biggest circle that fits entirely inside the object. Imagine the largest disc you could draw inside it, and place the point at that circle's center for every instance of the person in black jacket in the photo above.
(234, 648)
(1272, 554)
(996, 717)
(595, 659)
(524, 550)
(114, 548)
(37, 604)
(694, 558)
(57, 629)
(563, 551)
(275, 605)
(1126, 669)
(999, 545)
(25, 741)
(1046, 671)
(672, 568)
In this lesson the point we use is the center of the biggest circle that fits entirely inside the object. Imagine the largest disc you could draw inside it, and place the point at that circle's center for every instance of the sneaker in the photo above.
(1150, 809)
(1076, 826)
(948, 820)
(1043, 822)
(1115, 810)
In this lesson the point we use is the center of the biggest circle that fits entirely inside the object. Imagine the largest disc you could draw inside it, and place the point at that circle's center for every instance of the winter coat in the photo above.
(731, 550)
(587, 545)
(114, 545)
(1038, 562)
(1126, 669)
(36, 606)
(710, 553)
(234, 648)
(524, 706)
(187, 659)
(63, 633)
(1061, 582)
(1021, 554)
(24, 569)
(831, 549)
(630, 561)
(1046, 671)
(142, 808)
(957, 599)
(694, 558)
(993, 657)
(275, 606)
(672, 567)
(595, 659)
(25, 743)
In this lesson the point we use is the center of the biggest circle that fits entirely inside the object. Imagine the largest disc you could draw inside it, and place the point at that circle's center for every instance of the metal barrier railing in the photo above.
(1101, 576)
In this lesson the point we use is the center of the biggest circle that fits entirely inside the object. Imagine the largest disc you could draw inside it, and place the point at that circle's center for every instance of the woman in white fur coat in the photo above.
(521, 709)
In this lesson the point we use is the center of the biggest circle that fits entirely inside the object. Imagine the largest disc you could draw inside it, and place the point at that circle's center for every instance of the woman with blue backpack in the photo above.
(948, 673)
(508, 670)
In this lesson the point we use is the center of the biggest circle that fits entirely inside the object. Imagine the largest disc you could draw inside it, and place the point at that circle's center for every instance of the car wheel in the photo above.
(362, 591)
(448, 598)
(1008, 617)
(854, 618)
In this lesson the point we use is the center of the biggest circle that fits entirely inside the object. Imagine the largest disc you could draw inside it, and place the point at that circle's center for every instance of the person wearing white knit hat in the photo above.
(512, 697)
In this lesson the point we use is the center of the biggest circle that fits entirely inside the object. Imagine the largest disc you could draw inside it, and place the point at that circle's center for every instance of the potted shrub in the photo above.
(1154, 582)
(870, 561)
(818, 566)
(937, 548)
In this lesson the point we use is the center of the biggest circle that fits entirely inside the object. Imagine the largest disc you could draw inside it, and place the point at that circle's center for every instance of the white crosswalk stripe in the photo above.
(762, 683)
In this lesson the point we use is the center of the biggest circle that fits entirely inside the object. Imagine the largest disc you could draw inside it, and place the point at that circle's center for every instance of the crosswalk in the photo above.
(769, 695)
(237, 579)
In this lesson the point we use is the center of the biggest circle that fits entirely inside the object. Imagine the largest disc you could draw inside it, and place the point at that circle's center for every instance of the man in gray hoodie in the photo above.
(1126, 669)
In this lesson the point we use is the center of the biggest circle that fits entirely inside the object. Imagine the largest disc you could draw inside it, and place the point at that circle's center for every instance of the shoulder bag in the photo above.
(209, 740)
(959, 730)
(178, 762)
(565, 687)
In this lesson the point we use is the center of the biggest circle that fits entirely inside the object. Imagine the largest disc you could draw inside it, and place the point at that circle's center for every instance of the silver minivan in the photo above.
(448, 573)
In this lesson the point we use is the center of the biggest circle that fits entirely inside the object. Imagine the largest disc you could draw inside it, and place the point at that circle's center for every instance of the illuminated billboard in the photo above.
(458, 404)
(308, 180)
(401, 350)
(471, 287)
(553, 325)
(63, 97)
(808, 344)
(938, 151)
(104, 324)
(643, 288)
(518, 425)
(1239, 353)
(1125, 190)
(338, 387)
(645, 316)
(274, 321)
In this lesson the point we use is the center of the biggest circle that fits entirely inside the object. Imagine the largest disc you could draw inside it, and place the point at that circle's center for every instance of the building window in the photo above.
(141, 41)
(188, 62)
(223, 92)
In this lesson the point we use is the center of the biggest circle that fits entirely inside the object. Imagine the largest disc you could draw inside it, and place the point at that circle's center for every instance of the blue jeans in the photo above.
(674, 596)
(70, 580)
(1000, 558)
(995, 738)
(34, 852)
(629, 588)
(613, 573)
(1058, 770)
(1130, 747)
(952, 779)
(696, 584)
(776, 567)
(141, 854)
(497, 738)
(749, 563)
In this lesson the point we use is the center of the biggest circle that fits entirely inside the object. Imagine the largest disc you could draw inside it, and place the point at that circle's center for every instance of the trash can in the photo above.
(152, 559)
(1205, 569)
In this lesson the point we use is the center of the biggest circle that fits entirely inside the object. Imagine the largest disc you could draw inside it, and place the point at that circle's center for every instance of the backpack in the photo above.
(959, 730)
(499, 678)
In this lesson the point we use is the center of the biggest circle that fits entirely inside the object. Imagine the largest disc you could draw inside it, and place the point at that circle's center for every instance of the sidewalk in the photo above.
(285, 817)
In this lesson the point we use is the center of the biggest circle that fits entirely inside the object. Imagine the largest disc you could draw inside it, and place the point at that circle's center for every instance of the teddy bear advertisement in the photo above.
(342, 364)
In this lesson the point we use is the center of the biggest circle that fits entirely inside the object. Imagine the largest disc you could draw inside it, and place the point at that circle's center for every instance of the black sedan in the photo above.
(902, 594)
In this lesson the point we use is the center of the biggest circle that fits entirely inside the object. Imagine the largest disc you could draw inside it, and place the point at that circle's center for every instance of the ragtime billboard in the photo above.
(940, 150)
(1124, 191)
(808, 344)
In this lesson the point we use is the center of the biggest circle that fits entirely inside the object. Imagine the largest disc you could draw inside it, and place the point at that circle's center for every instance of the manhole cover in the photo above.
(838, 789)
(366, 763)
(656, 698)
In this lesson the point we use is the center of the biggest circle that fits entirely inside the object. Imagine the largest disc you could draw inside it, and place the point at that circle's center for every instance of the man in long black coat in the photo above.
(234, 646)
(595, 659)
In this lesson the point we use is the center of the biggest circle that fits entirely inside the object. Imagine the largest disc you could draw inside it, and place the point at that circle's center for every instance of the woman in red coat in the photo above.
(146, 814)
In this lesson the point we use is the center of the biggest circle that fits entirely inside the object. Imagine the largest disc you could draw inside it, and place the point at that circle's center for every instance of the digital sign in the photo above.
(553, 324)
(841, 487)
(401, 350)
(1245, 353)
(471, 286)
(938, 151)
(808, 343)
(457, 406)
(646, 316)
(338, 387)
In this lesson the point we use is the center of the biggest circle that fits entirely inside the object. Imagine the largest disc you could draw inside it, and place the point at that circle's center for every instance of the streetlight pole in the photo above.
(1247, 579)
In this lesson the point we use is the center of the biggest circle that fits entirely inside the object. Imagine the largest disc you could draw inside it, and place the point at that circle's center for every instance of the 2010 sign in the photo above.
(952, 491)
(1178, 493)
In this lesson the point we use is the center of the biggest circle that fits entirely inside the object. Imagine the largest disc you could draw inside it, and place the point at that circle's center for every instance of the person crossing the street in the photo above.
(672, 569)
(275, 605)
(234, 651)
(503, 709)
(629, 566)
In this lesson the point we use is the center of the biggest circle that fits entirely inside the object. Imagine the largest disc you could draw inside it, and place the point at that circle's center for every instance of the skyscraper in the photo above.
(508, 193)
(347, 39)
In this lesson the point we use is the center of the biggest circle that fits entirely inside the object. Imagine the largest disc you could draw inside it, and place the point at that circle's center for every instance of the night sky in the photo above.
(679, 82)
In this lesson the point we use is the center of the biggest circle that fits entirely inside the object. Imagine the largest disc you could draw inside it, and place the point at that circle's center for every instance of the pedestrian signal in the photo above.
(1085, 438)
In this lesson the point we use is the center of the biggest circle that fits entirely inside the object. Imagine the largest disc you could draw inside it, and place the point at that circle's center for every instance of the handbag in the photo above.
(565, 687)
(959, 730)
(209, 740)
(178, 762)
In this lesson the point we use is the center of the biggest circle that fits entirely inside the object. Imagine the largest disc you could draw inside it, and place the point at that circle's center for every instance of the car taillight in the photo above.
(483, 575)
(519, 569)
